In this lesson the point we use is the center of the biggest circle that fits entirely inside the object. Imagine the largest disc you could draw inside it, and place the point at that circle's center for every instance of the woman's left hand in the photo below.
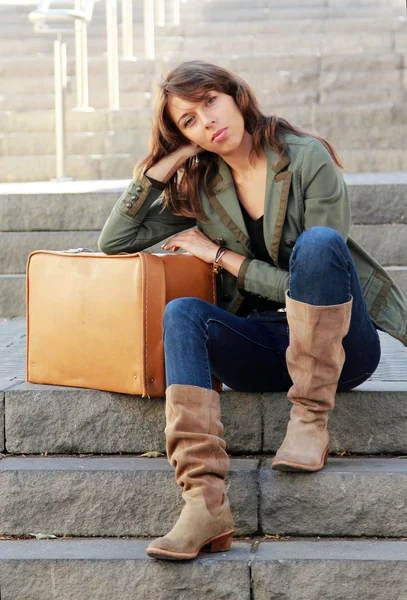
(195, 242)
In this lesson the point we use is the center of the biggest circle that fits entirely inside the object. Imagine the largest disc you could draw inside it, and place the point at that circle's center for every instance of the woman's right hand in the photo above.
(189, 151)
(164, 169)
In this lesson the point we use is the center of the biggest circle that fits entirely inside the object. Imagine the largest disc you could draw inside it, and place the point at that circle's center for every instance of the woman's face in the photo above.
(214, 124)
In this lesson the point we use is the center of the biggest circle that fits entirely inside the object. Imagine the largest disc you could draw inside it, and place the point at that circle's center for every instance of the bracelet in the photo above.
(216, 267)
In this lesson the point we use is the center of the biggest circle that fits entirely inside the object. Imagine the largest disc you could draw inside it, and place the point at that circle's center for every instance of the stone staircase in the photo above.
(72, 467)
(335, 67)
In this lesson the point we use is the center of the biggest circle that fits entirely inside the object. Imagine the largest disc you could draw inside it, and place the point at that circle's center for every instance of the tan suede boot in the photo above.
(197, 451)
(315, 359)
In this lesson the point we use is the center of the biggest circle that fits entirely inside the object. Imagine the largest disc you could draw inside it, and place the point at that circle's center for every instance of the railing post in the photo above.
(60, 79)
(112, 53)
(176, 17)
(81, 62)
(149, 34)
(160, 13)
(127, 28)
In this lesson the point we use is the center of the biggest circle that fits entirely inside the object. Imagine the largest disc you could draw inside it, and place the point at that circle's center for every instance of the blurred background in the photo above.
(77, 89)
(338, 67)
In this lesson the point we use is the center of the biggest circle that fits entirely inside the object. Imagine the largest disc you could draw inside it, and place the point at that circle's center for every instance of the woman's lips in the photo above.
(221, 136)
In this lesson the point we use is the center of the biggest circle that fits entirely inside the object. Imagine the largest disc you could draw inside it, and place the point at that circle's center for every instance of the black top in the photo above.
(255, 229)
(256, 235)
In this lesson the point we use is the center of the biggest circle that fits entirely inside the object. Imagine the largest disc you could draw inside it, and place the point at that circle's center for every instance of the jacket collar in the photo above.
(226, 203)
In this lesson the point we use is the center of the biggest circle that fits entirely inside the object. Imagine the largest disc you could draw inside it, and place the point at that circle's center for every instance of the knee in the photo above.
(180, 309)
(316, 244)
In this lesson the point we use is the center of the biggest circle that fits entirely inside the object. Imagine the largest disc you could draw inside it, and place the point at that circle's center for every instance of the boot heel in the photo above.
(221, 543)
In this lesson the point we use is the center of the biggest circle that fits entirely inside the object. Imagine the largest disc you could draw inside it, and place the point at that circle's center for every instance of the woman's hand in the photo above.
(195, 242)
(165, 168)
(190, 151)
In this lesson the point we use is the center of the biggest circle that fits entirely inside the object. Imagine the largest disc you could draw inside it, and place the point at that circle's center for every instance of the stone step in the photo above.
(78, 166)
(212, 13)
(99, 142)
(293, 13)
(376, 198)
(136, 141)
(331, 4)
(391, 137)
(314, 117)
(59, 494)
(274, 80)
(36, 121)
(332, 43)
(56, 419)
(350, 97)
(85, 569)
(196, 11)
(40, 101)
(386, 243)
(12, 290)
(96, 45)
(267, 24)
(109, 166)
(17, 86)
(285, 95)
(356, 488)
(29, 66)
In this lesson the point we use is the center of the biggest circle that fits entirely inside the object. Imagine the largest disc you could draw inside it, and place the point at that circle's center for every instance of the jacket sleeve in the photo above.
(263, 280)
(139, 220)
(326, 198)
(326, 203)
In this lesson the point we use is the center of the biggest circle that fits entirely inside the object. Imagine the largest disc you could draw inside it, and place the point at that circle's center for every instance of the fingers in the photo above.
(167, 247)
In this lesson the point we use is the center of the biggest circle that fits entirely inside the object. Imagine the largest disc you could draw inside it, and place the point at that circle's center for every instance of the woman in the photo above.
(268, 206)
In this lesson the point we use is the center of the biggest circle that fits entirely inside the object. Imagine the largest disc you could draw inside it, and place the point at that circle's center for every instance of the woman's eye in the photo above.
(210, 100)
(188, 121)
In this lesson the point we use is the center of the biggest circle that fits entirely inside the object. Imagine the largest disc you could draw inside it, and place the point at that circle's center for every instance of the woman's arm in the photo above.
(326, 198)
(138, 219)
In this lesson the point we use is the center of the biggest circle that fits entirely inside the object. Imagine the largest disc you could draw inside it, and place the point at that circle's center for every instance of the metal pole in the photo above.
(127, 28)
(112, 53)
(160, 13)
(59, 80)
(176, 12)
(64, 71)
(85, 81)
(78, 57)
(149, 41)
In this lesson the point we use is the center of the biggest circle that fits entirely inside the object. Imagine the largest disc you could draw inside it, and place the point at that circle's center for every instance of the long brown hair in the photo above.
(191, 81)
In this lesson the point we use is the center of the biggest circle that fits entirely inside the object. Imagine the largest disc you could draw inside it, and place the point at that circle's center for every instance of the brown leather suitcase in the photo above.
(95, 320)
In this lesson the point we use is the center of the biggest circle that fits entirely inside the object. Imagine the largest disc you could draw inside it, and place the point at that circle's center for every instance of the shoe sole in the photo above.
(218, 543)
(292, 467)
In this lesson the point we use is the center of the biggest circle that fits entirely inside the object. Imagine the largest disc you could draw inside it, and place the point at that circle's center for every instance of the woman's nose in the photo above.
(209, 122)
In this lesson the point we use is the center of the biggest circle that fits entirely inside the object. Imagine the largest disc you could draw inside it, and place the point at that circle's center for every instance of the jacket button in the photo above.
(134, 198)
(129, 204)
(289, 243)
(220, 241)
(139, 188)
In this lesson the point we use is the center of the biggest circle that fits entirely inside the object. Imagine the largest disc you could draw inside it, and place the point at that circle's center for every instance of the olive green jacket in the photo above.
(303, 189)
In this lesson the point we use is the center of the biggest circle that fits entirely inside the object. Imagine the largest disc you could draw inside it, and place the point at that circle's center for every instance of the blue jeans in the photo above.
(248, 353)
